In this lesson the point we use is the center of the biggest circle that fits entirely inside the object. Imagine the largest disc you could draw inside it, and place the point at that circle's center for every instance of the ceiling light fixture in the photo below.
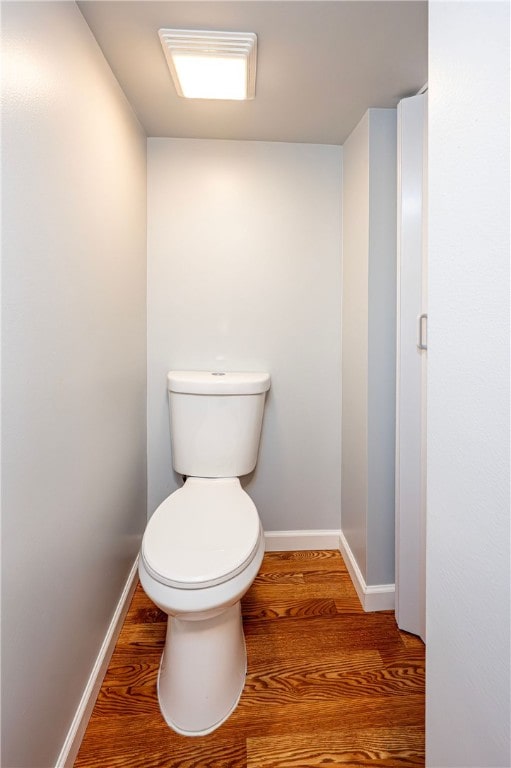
(211, 65)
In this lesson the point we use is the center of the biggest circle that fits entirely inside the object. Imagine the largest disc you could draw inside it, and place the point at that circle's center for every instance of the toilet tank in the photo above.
(215, 421)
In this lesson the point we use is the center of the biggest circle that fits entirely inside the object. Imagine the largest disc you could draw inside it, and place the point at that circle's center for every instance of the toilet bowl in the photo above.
(203, 546)
(201, 551)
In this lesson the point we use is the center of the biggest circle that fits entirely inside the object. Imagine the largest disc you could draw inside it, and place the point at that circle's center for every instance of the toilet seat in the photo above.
(203, 534)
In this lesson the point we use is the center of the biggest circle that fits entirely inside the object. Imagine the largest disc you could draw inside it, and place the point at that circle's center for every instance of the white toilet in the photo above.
(203, 546)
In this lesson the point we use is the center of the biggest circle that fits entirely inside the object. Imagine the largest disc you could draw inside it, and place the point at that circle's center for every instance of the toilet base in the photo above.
(202, 671)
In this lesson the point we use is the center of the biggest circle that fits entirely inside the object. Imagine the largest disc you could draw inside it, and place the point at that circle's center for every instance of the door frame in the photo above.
(411, 365)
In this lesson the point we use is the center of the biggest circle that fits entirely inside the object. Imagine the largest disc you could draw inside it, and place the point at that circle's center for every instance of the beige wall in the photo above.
(368, 344)
(74, 487)
(355, 319)
(244, 273)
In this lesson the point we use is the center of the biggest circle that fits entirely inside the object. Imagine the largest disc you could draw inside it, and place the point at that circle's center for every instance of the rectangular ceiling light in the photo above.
(211, 65)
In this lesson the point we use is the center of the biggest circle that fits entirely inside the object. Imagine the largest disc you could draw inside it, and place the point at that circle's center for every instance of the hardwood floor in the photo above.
(327, 684)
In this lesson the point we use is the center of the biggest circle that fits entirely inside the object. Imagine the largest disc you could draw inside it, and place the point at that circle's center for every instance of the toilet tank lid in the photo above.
(218, 382)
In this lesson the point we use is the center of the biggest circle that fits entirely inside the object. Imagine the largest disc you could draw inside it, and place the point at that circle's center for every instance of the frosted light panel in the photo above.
(207, 77)
(211, 65)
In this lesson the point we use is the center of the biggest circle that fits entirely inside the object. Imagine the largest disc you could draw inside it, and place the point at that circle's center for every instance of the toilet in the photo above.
(204, 544)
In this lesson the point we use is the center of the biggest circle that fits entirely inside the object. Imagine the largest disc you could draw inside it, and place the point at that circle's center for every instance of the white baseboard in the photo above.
(373, 598)
(286, 541)
(76, 732)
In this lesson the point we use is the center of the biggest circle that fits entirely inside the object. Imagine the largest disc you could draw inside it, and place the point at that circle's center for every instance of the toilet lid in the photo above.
(201, 535)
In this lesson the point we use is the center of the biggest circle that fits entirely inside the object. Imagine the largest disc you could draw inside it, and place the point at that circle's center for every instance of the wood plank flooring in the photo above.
(327, 684)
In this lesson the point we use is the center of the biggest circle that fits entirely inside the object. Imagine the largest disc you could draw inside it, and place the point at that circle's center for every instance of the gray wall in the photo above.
(244, 243)
(74, 486)
(468, 536)
(368, 344)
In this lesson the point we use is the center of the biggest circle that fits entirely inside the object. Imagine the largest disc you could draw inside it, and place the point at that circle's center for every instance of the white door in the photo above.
(411, 366)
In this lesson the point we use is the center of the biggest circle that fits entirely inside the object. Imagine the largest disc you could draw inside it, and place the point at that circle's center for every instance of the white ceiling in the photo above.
(320, 64)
